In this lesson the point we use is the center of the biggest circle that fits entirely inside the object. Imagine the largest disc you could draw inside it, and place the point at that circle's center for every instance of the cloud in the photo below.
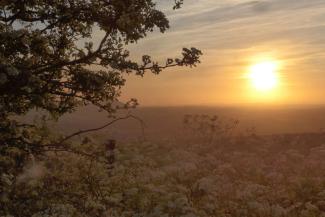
(230, 32)
(240, 24)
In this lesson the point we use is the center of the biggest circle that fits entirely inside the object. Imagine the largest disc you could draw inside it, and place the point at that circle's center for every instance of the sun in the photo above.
(263, 75)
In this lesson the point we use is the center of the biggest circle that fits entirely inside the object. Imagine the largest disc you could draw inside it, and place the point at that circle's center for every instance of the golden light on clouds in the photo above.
(250, 56)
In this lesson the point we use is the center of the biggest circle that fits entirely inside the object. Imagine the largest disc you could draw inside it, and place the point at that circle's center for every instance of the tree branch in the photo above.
(83, 60)
(80, 132)
(60, 147)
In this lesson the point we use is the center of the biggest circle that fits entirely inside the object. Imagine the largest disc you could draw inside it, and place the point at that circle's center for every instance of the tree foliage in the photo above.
(50, 60)
(48, 54)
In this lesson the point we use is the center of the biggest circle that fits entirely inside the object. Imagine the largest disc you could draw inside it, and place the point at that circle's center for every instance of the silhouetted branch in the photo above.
(101, 127)
(61, 147)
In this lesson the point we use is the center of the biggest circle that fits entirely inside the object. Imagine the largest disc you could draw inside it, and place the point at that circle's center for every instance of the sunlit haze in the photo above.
(234, 37)
(263, 75)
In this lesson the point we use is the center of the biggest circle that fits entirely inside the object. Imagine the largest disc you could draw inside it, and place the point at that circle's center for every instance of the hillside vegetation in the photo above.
(235, 176)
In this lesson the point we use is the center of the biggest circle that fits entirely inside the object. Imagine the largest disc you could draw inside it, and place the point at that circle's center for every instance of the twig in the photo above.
(61, 147)
(101, 127)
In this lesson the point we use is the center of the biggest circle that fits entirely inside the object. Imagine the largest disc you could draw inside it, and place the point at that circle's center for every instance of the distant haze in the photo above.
(166, 122)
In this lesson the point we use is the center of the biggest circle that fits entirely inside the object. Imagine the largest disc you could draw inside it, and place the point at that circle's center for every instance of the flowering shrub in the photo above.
(247, 176)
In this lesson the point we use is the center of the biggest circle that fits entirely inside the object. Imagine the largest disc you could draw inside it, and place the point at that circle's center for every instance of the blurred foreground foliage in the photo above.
(248, 176)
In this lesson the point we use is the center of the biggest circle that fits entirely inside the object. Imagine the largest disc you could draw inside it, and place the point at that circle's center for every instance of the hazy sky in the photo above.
(234, 34)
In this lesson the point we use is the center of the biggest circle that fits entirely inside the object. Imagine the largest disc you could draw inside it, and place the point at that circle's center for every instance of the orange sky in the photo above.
(233, 35)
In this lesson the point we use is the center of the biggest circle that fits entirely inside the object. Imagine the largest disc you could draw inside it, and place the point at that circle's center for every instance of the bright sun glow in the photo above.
(263, 75)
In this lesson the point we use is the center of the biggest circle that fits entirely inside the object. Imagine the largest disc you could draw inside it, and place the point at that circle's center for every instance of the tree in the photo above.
(49, 61)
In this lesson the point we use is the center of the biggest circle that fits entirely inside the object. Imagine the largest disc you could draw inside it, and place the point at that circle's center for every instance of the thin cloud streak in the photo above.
(231, 32)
